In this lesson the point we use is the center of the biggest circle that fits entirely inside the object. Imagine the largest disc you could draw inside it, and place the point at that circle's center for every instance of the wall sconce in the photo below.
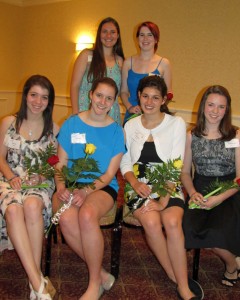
(80, 46)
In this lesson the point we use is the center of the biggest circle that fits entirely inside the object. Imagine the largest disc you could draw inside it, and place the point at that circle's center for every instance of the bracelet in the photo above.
(9, 180)
(129, 108)
(193, 194)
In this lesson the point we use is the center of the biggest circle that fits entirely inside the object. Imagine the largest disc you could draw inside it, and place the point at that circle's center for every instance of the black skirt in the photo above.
(218, 227)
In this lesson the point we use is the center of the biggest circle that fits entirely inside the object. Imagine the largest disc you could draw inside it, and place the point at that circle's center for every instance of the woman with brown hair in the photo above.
(105, 59)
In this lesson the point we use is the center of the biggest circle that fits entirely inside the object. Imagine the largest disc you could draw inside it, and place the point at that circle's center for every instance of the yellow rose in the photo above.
(90, 149)
(135, 170)
(178, 164)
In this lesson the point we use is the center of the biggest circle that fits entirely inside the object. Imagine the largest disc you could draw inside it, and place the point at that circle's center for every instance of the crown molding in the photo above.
(25, 3)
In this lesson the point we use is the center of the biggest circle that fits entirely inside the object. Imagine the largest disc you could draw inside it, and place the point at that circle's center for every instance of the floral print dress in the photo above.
(18, 148)
(148, 159)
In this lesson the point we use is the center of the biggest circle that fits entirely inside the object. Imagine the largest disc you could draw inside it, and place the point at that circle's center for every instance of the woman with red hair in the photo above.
(141, 65)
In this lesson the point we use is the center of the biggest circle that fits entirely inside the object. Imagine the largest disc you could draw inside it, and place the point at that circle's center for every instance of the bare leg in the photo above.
(172, 220)
(230, 263)
(82, 232)
(151, 222)
(97, 205)
(34, 222)
(70, 229)
(18, 234)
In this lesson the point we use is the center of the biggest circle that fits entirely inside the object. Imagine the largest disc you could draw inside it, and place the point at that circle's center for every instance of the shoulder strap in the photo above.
(159, 62)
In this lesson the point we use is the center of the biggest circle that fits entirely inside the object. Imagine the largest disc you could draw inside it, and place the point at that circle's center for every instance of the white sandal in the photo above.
(48, 286)
(39, 295)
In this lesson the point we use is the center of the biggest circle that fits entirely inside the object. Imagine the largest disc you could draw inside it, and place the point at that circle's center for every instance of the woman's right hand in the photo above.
(198, 199)
(16, 183)
(142, 189)
(135, 110)
(79, 195)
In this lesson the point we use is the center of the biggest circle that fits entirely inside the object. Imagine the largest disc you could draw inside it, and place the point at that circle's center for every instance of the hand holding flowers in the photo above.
(39, 166)
(81, 168)
(158, 178)
(197, 201)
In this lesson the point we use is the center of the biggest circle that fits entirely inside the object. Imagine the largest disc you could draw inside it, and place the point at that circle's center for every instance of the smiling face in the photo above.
(109, 34)
(146, 39)
(37, 99)
(102, 98)
(215, 108)
(151, 100)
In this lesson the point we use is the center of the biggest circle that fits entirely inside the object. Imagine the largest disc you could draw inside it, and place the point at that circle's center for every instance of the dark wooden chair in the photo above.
(195, 267)
(113, 219)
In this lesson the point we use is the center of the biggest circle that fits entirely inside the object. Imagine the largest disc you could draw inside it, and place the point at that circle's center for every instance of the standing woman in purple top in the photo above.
(138, 66)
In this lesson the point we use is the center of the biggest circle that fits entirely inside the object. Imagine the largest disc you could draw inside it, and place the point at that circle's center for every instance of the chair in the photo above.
(196, 258)
(111, 220)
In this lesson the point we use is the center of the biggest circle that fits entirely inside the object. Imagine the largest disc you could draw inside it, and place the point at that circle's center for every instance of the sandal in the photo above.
(230, 281)
(48, 285)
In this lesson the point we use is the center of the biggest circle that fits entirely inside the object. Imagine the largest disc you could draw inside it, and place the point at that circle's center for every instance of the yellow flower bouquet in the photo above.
(157, 175)
(81, 168)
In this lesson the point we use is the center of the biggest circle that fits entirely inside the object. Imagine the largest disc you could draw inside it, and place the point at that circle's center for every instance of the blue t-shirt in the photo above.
(109, 142)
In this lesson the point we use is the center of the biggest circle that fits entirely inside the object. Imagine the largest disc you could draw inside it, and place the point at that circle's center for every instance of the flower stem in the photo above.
(212, 193)
(42, 185)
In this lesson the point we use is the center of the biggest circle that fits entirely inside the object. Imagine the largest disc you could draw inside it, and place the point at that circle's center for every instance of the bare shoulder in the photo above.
(85, 55)
(7, 121)
(127, 63)
(119, 60)
(4, 125)
(165, 61)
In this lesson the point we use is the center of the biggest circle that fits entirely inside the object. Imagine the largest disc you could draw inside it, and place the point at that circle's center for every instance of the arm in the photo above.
(14, 180)
(186, 174)
(166, 69)
(55, 129)
(62, 192)
(218, 199)
(77, 75)
(237, 156)
(127, 167)
(124, 86)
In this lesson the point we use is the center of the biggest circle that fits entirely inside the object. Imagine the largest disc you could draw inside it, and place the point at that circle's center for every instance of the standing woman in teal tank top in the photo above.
(105, 59)
(141, 65)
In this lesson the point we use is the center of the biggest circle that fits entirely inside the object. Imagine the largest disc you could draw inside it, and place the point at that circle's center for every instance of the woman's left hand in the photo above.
(151, 205)
(211, 202)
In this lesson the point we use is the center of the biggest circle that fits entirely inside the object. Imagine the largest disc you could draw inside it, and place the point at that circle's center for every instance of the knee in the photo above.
(33, 208)
(12, 213)
(173, 224)
(152, 226)
(87, 216)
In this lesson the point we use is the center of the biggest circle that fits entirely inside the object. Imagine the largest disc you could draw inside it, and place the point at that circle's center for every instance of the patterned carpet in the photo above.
(140, 278)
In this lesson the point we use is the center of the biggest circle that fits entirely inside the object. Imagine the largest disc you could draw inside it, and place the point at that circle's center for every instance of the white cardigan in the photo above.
(169, 138)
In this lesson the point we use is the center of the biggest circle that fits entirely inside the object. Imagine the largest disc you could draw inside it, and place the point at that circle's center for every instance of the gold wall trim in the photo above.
(31, 2)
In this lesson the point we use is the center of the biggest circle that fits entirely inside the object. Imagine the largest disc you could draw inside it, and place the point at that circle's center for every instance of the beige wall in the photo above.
(201, 39)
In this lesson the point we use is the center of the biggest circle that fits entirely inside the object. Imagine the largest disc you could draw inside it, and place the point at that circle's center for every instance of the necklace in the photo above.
(30, 133)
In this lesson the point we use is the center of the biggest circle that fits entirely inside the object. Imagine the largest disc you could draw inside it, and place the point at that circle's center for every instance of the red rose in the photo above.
(53, 160)
(169, 96)
(238, 181)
